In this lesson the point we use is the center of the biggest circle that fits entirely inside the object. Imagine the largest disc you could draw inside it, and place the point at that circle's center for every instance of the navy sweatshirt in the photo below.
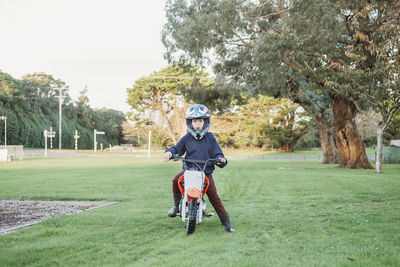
(203, 149)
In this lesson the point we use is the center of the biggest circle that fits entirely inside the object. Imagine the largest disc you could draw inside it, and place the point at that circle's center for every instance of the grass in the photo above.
(305, 214)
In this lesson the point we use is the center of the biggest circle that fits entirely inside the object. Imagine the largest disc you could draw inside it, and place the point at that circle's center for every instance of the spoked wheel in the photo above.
(191, 223)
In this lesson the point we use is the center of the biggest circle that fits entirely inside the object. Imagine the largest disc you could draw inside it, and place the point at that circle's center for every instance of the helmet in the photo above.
(198, 111)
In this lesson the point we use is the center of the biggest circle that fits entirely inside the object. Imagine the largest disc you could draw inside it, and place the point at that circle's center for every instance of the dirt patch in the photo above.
(17, 214)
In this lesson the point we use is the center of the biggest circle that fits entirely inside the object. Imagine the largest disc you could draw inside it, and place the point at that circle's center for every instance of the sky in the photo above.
(105, 45)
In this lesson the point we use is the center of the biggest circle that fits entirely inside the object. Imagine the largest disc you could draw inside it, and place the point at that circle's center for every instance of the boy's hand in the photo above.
(221, 161)
(167, 156)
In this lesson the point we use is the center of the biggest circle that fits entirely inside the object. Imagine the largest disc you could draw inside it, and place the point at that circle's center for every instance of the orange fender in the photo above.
(182, 189)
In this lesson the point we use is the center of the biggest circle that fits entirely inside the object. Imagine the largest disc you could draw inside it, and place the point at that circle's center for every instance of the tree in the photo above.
(83, 102)
(378, 32)
(8, 86)
(317, 40)
(262, 121)
(311, 42)
(41, 89)
(110, 121)
(393, 131)
(285, 125)
(158, 98)
(233, 31)
(314, 100)
(218, 96)
(361, 72)
(31, 106)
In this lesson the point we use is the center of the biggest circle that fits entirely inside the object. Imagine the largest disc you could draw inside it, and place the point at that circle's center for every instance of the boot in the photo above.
(175, 209)
(226, 222)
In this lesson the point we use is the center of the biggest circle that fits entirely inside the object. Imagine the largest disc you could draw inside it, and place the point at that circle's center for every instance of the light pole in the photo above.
(46, 134)
(60, 100)
(4, 118)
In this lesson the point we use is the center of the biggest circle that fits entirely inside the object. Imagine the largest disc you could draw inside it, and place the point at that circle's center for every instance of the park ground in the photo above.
(285, 213)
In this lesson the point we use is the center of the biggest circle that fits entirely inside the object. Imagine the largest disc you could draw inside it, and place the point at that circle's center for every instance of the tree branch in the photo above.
(263, 4)
(245, 44)
(272, 14)
(240, 71)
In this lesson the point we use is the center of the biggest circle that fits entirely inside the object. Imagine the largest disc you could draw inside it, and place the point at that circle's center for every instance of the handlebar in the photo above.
(176, 157)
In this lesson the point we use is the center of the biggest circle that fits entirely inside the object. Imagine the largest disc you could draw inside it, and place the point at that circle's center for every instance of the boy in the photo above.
(199, 144)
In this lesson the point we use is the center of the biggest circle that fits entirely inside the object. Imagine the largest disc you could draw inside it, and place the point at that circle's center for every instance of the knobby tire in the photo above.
(191, 223)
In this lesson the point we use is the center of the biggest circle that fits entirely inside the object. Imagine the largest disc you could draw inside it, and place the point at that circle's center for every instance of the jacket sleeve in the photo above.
(217, 152)
(179, 148)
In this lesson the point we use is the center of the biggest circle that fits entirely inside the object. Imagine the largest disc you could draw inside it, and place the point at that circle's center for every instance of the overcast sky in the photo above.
(103, 44)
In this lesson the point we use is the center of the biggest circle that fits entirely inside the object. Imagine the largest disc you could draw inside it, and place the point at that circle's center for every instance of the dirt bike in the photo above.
(193, 185)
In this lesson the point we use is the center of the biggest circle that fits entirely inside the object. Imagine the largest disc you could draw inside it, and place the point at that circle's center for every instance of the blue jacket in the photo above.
(203, 149)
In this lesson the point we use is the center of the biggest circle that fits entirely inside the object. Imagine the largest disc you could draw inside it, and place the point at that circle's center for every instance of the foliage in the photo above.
(375, 60)
(158, 99)
(364, 64)
(159, 140)
(310, 139)
(218, 96)
(262, 121)
(235, 37)
(393, 132)
(31, 106)
(285, 124)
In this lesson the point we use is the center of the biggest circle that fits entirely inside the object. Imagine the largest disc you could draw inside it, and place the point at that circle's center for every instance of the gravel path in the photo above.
(17, 214)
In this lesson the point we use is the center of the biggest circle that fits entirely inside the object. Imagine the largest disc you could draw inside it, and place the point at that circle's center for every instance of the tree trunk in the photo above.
(327, 142)
(379, 142)
(351, 150)
(378, 157)
(288, 146)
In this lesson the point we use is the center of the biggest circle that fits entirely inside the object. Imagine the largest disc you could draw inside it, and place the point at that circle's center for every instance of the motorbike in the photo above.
(193, 185)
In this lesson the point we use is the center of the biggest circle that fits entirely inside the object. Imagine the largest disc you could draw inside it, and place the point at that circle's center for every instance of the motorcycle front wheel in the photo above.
(191, 223)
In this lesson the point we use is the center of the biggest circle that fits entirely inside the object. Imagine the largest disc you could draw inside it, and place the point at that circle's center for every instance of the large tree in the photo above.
(351, 48)
(360, 71)
(314, 100)
(232, 32)
(250, 40)
(312, 42)
(376, 50)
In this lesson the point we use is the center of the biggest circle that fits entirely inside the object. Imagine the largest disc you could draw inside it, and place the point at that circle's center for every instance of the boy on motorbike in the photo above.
(199, 144)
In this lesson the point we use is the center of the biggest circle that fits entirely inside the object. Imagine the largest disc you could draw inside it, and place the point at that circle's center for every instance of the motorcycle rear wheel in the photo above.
(191, 223)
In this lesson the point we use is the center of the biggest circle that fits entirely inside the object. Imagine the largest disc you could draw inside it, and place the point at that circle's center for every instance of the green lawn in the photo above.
(285, 213)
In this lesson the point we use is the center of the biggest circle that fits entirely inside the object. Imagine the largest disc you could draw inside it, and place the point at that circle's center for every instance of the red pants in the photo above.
(211, 193)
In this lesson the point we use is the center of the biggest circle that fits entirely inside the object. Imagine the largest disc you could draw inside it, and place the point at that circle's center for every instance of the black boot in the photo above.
(226, 222)
(175, 209)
